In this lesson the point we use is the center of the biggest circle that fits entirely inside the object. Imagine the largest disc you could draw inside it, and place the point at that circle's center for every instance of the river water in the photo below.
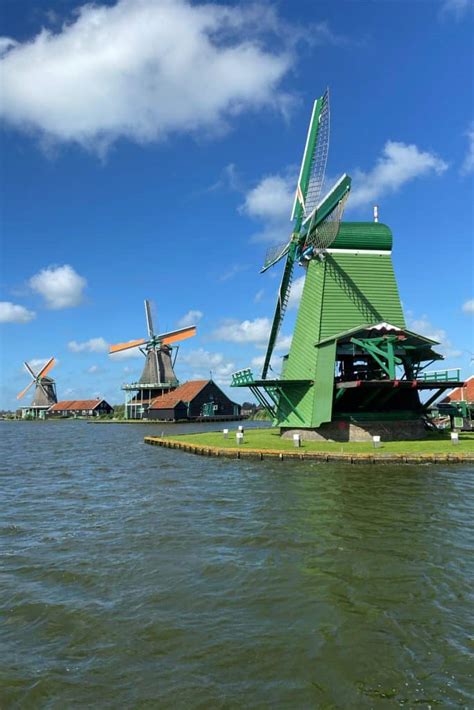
(139, 577)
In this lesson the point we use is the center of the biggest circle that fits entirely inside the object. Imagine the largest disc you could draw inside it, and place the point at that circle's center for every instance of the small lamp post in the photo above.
(455, 437)
(226, 433)
(376, 441)
(296, 441)
(239, 438)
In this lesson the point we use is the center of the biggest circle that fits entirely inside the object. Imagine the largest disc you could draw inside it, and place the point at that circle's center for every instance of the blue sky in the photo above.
(150, 147)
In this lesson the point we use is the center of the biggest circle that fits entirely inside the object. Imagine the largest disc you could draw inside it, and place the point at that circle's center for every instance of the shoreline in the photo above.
(298, 455)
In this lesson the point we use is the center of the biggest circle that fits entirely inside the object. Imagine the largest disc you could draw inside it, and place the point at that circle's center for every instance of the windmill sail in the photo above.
(282, 302)
(313, 165)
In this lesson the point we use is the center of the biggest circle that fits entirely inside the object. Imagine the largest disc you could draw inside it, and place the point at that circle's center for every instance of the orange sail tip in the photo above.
(49, 366)
(126, 346)
(178, 335)
(23, 392)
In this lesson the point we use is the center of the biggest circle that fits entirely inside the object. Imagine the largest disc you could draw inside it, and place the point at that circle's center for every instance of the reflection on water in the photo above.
(141, 577)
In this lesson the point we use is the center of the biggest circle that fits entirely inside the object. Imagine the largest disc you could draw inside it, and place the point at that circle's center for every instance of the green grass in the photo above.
(270, 439)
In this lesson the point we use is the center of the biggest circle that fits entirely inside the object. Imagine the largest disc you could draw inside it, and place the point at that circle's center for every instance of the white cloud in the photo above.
(468, 164)
(270, 202)
(6, 43)
(399, 163)
(233, 271)
(423, 326)
(296, 292)
(247, 331)
(94, 370)
(126, 354)
(259, 295)
(456, 7)
(94, 345)
(272, 198)
(190, 318)
(13, 313)
(37, 363)
(203, 363)
(142, 69)
(60, 286)
(468, 307)
(283, 342)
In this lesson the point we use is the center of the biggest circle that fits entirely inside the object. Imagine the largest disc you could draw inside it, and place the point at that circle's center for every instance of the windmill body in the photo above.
(158, 376)
(44, 393)
(353, 369)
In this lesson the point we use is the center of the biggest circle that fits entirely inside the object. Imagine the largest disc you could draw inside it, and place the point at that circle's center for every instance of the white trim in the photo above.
(304, 157)
(374, 252)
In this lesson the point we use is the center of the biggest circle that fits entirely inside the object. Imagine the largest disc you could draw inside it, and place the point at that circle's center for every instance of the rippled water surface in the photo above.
(136, 577)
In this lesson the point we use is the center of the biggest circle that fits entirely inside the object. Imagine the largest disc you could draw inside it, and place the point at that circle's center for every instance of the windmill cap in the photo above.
(363, 236)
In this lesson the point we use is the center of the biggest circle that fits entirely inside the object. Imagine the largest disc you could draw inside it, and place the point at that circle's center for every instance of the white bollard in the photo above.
(226, 433)
(240, 428)
(454, 437)
(376, 441)
(296, 440)
(239, 438)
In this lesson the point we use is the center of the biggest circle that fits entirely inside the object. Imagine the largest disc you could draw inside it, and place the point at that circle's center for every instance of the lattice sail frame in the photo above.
(319, 158)
(325, 233)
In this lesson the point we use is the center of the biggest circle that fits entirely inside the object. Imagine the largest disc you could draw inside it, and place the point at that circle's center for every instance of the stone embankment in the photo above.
(298, 455)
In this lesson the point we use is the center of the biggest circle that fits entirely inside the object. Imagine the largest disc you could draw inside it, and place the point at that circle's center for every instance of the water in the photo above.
(140, 577)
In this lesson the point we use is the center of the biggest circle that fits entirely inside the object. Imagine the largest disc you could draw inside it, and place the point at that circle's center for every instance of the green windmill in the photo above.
(353, 368)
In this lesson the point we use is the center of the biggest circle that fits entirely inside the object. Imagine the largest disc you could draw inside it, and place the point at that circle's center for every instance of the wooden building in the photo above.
(80, 408)
(198, 399)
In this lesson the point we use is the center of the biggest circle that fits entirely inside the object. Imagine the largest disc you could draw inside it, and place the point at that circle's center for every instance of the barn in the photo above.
(197, 399)
(80, 408)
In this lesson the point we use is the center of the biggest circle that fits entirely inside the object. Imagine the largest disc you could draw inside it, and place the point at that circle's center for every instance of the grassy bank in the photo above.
(270, 439)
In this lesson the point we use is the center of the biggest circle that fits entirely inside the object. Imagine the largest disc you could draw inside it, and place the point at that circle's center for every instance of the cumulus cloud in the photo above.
(203, 363)
(190, 318)
(126, 354)
(399, 163)
(296, 292)
(468, 307)
(423, 326)
(456, 8)
(37, 363)
(270, 202)
(247, 331)
(13, 313)
(94, 345)
(142, 69)
(6, 43)
(60, 286)
(468, 164)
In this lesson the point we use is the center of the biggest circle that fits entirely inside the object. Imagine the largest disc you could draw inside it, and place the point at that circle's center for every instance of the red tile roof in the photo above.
(465, 393)
(184, 393)
(69, 404)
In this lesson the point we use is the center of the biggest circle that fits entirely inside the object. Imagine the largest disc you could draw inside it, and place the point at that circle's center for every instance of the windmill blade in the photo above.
(23, 392)
(176, 335)
(149, 321)
(30, 370)
(274, 254)
(46, 368)
(322, 226)
(126, 346)
(282, 302)
(313, 165)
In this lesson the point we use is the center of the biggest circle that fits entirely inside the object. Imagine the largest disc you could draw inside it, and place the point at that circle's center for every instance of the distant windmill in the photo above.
(45, 390)
(158, 374)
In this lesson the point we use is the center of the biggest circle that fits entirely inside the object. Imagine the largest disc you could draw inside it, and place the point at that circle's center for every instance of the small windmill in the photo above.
(158, 374)
(45, 390)
(351, 358)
